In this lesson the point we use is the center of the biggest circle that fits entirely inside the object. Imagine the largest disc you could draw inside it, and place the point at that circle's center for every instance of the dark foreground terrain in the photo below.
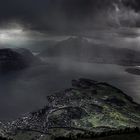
(134, 136)
(131, 136)
(125, 134)
(89, 109)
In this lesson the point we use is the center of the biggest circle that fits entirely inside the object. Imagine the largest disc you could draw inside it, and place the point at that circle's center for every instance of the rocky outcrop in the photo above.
(89, 106)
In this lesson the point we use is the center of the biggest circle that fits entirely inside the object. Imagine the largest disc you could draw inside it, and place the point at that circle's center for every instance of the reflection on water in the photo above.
(26, 91)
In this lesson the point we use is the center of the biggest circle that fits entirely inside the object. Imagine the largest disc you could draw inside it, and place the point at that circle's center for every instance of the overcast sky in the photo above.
(44, 14)
(24, 20)
(33, 21)
(57, 15)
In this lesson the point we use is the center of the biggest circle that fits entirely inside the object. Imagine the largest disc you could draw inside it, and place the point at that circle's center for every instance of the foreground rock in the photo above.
(88, 106)
(16, 59)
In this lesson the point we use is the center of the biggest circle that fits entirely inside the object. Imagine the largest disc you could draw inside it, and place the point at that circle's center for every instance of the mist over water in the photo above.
(26, 90)
(113, 23)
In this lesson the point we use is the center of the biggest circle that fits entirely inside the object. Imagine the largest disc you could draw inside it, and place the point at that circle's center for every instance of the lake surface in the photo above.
(26, 90)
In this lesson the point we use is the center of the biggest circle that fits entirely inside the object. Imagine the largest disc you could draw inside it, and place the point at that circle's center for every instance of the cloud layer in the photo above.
(63, 15)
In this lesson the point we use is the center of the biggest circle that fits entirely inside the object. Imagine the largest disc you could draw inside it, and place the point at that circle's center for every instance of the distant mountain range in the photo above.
(81, 49)
(88, 107)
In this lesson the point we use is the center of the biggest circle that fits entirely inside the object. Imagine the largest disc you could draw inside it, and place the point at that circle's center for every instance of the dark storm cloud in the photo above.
(55, 14)
(46, 14)
(43, 13)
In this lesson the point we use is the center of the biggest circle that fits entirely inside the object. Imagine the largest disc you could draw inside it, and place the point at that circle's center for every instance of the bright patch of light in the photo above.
(15, 36)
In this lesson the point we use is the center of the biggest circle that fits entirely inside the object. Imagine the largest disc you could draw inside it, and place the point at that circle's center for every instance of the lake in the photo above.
(26, 91)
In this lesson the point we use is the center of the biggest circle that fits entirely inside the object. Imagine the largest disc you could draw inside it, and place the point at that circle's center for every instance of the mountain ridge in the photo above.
(80, 49)
(16, 59)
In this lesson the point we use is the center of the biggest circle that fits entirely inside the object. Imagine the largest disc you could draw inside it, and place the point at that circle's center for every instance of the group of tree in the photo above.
(90, 134)
(3, 138)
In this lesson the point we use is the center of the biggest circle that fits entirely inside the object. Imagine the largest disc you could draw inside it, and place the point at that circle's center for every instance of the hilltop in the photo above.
(16, 59)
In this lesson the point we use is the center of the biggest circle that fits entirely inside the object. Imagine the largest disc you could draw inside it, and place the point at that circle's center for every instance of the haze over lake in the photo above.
(26, 90)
